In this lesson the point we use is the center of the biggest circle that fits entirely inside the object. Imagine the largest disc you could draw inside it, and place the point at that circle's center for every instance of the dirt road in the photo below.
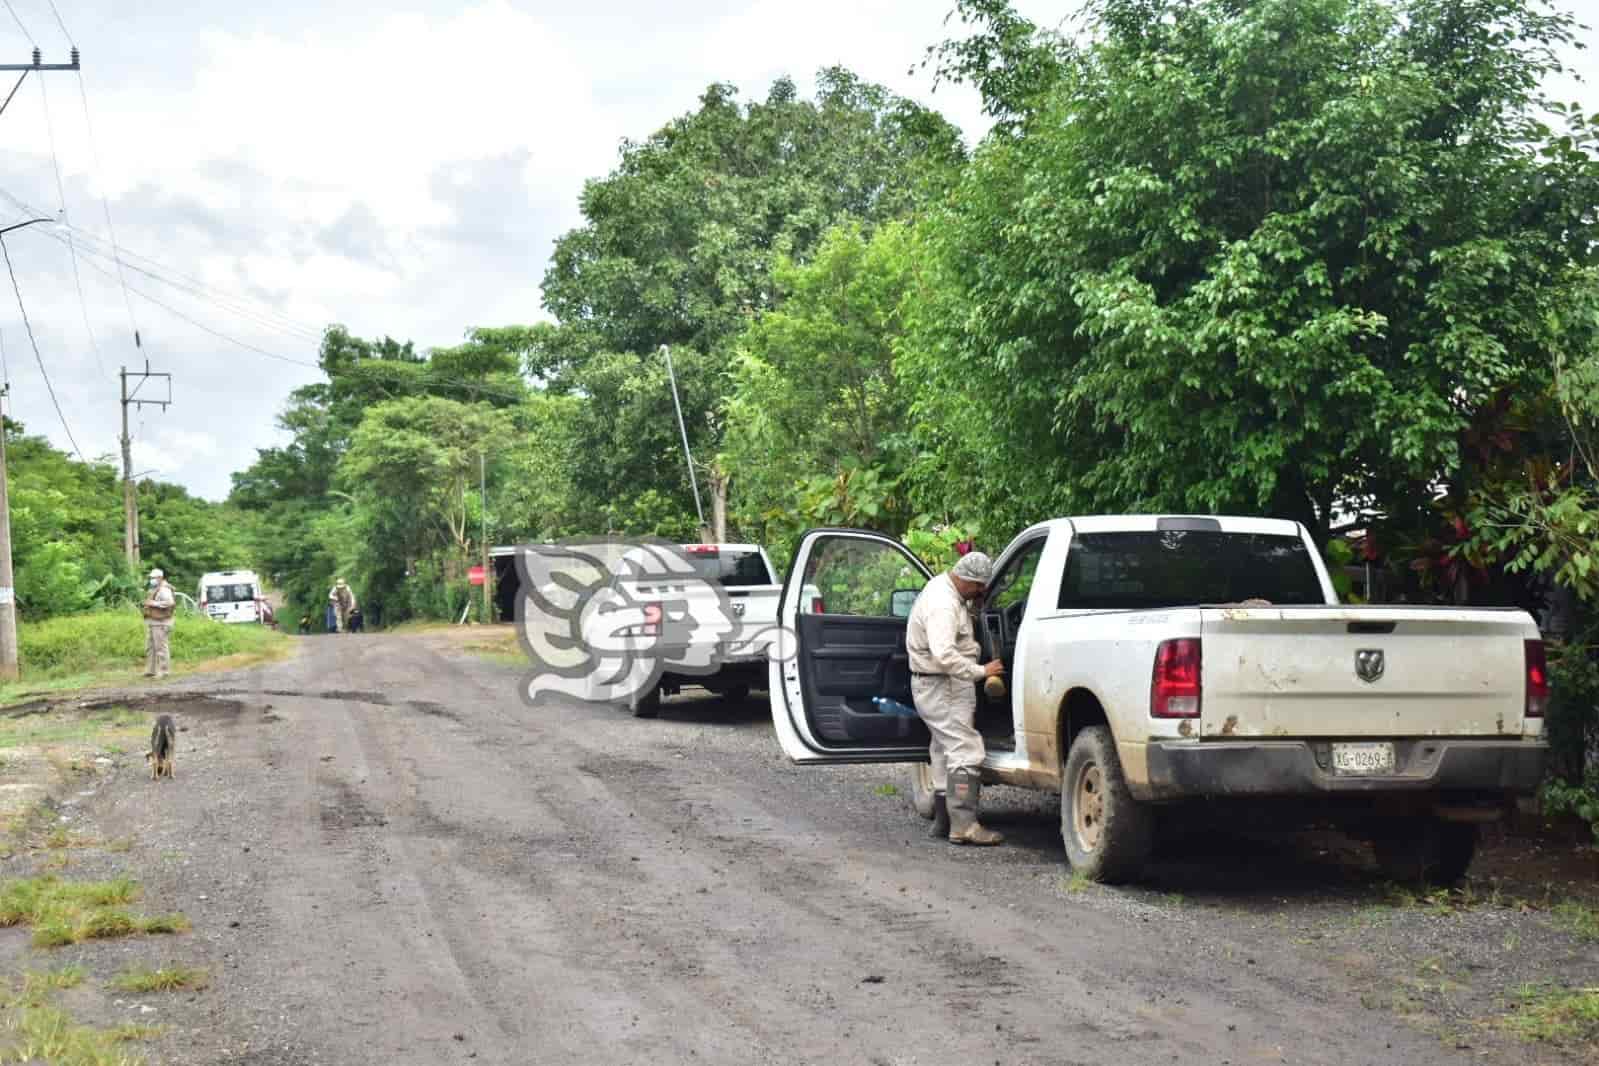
(388, 858)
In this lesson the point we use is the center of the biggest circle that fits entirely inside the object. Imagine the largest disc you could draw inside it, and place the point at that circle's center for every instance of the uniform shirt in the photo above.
(162, 602)
(939, 633)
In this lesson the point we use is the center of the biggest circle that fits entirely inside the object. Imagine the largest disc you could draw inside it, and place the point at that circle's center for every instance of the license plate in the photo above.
(1363, 758)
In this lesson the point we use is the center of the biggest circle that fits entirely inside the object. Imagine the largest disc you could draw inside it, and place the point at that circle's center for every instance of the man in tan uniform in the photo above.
(159, 607)
(343, 601)
(944, 673)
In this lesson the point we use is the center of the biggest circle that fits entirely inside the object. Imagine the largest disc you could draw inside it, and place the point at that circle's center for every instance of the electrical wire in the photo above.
(63, 25)
(20, 26)
(72, 251)
(31, 340)
(105, 204)
(231, 302)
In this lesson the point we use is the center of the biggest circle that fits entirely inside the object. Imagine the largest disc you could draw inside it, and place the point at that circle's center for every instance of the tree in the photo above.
(1260, 257)
(815, 407)
(678, 247)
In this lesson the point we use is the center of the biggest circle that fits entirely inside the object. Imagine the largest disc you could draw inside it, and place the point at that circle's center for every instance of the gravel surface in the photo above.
(388, 858)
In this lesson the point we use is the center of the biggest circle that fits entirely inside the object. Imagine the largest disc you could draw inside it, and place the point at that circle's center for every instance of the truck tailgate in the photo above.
(1362, 672)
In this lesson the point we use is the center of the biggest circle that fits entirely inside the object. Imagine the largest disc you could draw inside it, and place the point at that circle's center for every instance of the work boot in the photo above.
(965, 790)
(940, 816)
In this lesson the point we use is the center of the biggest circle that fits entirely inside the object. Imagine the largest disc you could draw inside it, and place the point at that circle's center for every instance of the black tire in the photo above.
(1426, 851)
(736, 693)
(922, 790)
(648, 704)
(1109, 835)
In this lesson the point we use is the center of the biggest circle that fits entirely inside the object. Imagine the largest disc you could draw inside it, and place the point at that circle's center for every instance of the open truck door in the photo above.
(843, 613)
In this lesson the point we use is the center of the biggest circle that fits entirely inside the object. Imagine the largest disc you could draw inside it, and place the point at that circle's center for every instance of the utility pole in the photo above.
(8, 599)
(130, 504)
(8, 586)
(483, 506)
(9, 668)
(38, 64)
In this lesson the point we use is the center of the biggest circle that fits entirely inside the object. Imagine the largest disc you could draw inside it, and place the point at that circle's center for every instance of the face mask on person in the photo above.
(154, 581)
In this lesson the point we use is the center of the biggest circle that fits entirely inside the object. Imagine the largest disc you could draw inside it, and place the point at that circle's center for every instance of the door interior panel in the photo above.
(847, 661)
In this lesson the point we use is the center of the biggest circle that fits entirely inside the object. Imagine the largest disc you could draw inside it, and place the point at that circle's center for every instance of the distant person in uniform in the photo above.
(343, 602)
(159, 607)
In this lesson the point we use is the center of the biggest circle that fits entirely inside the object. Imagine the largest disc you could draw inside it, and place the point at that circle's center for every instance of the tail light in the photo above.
(1174, 687)
(1537, 680)
(816, 605)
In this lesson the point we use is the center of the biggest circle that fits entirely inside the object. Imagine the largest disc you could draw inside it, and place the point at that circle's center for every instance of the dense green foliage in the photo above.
(67, 538)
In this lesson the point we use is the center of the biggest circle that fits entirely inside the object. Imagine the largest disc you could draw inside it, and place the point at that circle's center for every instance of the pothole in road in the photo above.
(343, 808)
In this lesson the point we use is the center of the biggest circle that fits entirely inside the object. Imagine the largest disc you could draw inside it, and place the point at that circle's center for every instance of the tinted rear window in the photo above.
(1129, 571)
(731, 569)
(240, 593)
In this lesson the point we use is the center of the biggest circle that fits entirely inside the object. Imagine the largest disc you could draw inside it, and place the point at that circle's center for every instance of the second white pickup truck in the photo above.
(1156, 662)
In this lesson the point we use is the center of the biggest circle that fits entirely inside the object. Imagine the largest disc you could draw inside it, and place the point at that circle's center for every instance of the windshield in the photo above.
(1185, 568)
(243, 592)
(730, 569)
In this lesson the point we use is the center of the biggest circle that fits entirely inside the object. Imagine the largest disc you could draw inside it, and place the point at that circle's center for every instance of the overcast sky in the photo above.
(399, 168)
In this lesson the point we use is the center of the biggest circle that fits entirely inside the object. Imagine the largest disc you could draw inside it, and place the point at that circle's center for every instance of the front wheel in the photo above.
(1109, 835)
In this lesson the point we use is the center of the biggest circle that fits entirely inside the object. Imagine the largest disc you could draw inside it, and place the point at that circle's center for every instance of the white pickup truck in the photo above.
(1159, 663)
(744, 574)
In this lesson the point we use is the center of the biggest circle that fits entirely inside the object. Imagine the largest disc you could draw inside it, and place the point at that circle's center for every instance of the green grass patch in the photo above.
(1579, 919)
(49, 1034)
(111, 725)
(107, 647)
(163, 979)
(886, 790)
(35, 988)
(1555, 1015)
(70, 912)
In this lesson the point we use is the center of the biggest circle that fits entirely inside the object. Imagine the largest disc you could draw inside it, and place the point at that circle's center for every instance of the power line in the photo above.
(31, 340)
(63, 25)
(244, 306)
(72, 251)
(105, 204)
(20, 26)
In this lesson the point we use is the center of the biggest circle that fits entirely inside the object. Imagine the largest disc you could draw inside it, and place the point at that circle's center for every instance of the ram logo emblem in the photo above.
(1369, 664)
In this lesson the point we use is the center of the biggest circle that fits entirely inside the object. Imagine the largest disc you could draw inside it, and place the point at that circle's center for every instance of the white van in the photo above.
(231, 596)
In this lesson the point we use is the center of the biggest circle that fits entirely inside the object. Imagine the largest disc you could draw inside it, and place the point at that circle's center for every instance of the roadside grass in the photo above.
(1555, 1015)
(70, 912)
(104, 728)
(107, 648)
(161, 979)
(35, 988)
(501, 646)
(49, 1034)
(886, 789)
(1580, 919)
(1076, 883)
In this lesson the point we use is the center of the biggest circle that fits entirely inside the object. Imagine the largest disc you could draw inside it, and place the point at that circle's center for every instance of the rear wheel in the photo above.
(922, 790)
(1108, 834)
(647, 704)
(1427, 850)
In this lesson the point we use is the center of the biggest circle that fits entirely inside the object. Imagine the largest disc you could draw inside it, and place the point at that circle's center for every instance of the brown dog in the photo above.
(163, 742)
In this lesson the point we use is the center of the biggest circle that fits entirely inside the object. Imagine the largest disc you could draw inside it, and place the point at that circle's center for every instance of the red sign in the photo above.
(475, 575)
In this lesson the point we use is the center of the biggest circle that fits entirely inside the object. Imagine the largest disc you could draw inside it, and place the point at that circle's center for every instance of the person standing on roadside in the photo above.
(343, 601)
(944, 675)
(159, 607)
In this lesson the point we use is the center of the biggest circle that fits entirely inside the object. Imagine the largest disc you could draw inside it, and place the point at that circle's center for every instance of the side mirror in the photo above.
(901, 602)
